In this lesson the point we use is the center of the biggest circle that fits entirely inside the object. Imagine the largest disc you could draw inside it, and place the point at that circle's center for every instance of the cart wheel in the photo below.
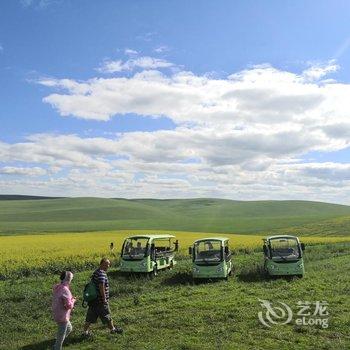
(154, 273)
(171, 266)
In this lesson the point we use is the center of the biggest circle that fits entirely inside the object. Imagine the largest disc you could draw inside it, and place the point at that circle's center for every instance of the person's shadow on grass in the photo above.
(48, 344)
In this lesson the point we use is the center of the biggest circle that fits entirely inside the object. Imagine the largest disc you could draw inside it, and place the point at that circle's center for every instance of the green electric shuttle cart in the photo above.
(211, 258)
(148, 253)
(283, 256)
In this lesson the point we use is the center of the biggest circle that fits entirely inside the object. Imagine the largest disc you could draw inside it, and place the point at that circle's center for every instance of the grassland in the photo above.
(26, 255)
(170, 312)
(201, 215)
(40, 237)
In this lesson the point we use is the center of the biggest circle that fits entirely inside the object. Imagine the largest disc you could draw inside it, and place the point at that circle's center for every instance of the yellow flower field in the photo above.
(39, 253)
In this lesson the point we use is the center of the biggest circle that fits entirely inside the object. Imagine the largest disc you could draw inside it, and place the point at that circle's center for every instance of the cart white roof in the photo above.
(152, 237)
(281, 237)
(221, 239)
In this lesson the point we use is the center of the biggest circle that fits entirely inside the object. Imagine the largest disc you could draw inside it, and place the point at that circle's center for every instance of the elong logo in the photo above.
(283, 314)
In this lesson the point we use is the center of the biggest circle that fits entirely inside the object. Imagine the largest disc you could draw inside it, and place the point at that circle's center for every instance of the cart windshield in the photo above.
(207, 251)
(135, 248)
(285, 248)
(163, 246)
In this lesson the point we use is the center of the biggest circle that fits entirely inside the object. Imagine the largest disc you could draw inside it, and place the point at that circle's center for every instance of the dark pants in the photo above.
(98, 310)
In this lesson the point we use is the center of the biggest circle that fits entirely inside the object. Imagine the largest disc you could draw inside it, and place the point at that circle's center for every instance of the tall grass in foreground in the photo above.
(170, 312)
(40, 254)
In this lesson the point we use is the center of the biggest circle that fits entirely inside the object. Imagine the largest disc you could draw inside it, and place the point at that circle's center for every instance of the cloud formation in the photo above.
(244, 136)
(30, 171)
(258, 97)
(40, 4)
(144, 62)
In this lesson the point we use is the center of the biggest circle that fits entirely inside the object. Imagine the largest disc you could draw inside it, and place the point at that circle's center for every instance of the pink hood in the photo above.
(62, 302)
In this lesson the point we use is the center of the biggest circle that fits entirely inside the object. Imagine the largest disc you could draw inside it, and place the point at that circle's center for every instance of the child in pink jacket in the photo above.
(62, 305)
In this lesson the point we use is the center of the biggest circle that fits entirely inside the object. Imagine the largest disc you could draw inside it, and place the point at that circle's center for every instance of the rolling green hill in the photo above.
(6, 197)
(206, 215)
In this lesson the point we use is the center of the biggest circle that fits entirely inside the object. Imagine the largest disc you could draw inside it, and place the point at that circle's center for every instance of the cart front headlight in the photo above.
(195, 270)
(219, 269)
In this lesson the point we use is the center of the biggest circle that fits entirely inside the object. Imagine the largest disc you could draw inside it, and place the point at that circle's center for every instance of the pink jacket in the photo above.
(62, 302)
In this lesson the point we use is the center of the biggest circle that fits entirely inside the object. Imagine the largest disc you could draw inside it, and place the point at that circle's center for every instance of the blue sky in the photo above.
(150, 51)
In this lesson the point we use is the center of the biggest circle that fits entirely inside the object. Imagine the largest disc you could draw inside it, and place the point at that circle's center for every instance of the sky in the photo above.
(244, 100)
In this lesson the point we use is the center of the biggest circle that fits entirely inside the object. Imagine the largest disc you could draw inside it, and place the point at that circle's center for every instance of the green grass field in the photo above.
(40, 237)
(170, 312)
(202, 215)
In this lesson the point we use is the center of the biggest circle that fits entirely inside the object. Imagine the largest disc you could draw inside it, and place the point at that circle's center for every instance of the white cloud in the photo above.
(26, 3)
(130, 52)
(328, 172)
(144, 62)
(33, 171)
(260, 96)
(148, 36)
(318, 71)
(255, 115)
(225, 182)
(57, 151)
(241, 137)
(161, 49)
(40, 4)
(110, 66)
